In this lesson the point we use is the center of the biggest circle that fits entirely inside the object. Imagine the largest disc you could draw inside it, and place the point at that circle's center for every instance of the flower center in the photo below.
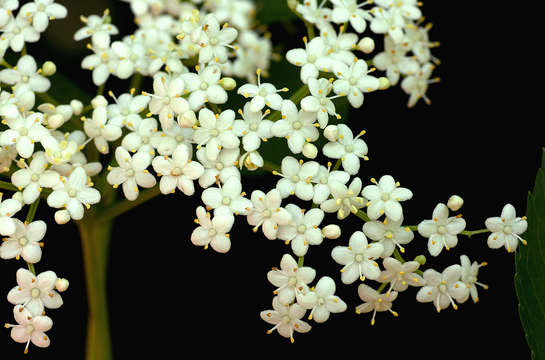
(212, 232)
(204, 86)
(24, 78)
(179, 138)
(349, 148)
(219, 166)
(294, 178)
(16, 30)
(253, 127)
(353, 81)
(385, 197)
(35, 293)
(311, 58)
(29, 329)
(388, 235)
(125, 112)
(266, 213)
(214, 41)
(130, 172)
(72, 192)
(323, 101)
(508, 230)
(145, 139)
(41, 8)
(35, 177)
(321, 301)
(359, 258)
(292, 281)
(166, 100)
(323, 180)
(441, 229)
(226, 200)
(214, 132)
(133, 57)
(262, 92)
(286, 319)
(23, 131)
(297, 125)
(443, 288)
(301, 229)
(177, 171)
(23, 241)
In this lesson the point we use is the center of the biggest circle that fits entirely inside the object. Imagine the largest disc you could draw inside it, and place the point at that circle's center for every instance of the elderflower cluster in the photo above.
(181, 135)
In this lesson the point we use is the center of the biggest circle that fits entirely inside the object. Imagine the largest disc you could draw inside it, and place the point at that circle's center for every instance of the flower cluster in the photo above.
(177, 133)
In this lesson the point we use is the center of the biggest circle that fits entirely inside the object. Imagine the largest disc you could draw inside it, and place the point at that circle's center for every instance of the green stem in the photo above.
(474, 232)
(269, 166)
(295, 98)
(379, 290)
(4, 185)
(136, 82)
(301, 261)
(100, 89)
(362, 216)
(46, 98)
(95, 240)
(123, 206)
(29, 217)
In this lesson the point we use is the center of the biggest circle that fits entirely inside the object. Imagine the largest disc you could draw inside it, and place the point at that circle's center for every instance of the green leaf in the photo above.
(530, 266)
(274, 11)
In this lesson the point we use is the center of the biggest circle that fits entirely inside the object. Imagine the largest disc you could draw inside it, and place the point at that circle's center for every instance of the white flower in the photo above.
(267, 213)
(16, 32)
(318, 101)
(213, 231)
(417, 84)
(388, 21)
(252, 128)
(443, 288)
(221, 168)
(347, 148)
(6, 9)
(24, 242)
(34, 177)
(73, 193)
(394, 61)
(168, 140)
(214, 40)
(314, 14)
(312, 59)
(59, 152)
(30, 328)
(358, 259)
(216, 132)
(296, 126)
(441, 230)
(373, 301)
(145, 138)
(126, 110)
(133, 57)
(178, 171)
(303, 230)
(24, 75)
(41, 11)
(102, 63)
(166, 100)
(55, 116)
(142, 7)
(24, 132)
(322, 300)
(389, 233)
(399, 275)
(407, 8)
(384, 197)
(345, 199)
(322, 179)
(238, 12)
(101, 130)
(262, 94)
(290, 280)
(353, 81)
(204, 86)
(8, 208)
(9, 104)
(470, 271)
(132, 172)
(286, 319)
(35, 292)
(349, 10)
(7, 155)
(506, 229)
(229, 197)
(296, 178)
(98, 29)
(339, 46)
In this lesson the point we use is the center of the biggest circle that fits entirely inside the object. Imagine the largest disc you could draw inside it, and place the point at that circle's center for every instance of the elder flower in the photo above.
(399, 275)
(303, 230)
(389, 233)
(131, 173)
(290, 280)
(178, 171)
(506, 229)
(373, 301)
(297, 126)
(286, 319)
(213, 231)
(41, 11)
(470, 271)
(166, 100)
(267, 213)
(30, 328)
(443, 289)
(8, 208)
(216, 132)
(228, 197)
(354, 81)
(345, 199)
(348, 149)
(322, 301)
(384, 197)
(25, 242)
(296, 178)
(441, 230)
(35, 292)
(262, 94)
(34, 177)
(204, 86)
(253, 128)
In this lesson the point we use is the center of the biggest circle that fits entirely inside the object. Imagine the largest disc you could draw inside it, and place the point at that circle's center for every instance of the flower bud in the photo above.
(249, 164)
(49, 68)
(310, 151)
(455, 202)
(18, 196)
(332, 231)
(292, 4)
(99, 101)
(55, 121)
(187, 119)
(62, 217)
(228, 83)
(61, 285)
(383, 83)
(421, 259)
(331, 133)
(77, 106)
(366, 45)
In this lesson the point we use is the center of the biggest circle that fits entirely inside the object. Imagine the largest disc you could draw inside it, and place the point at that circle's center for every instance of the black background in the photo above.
(480, 139)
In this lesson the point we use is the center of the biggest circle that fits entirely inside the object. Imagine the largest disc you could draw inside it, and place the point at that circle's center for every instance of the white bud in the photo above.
(49, 68)
(331, 231)
(77, 106)
(383, 83)
(310, 151)
(61, 285)
(55, 121)
(19, 197)
(455, 202)
(331, 133)
(366, 45)
(187, 119)
(228, 83)
(62, 217)
(99, 101)
(292, 4)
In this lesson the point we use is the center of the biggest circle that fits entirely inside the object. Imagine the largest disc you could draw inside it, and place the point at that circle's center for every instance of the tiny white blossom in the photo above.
(30, 328)
(213, 231)
(470, 271)
(314, 13)
(441, 230)
(358, 259)
(253, 128)
(204, 86)
(297, 126)
(166, 100)
(354, 81)
(145, 138)
(178, 171)
(373, 301)
(322, 300)
(394, 61)
(388, 21)
(8, 208)
(389, 233)
(399, 275)
(350, 11)
(384, 198)
(216, 132)
(132, 172)
(215, 41)
(506, 229)
(16, 32)
(100, 130)
(126, 110)
(35, 292)
(296, 178)
(267, 213)
(348, 149)
(290, 280)
(229, 197)
(416, 85)
(103, 62)
(41, 11)
(25, 75)
(443, 289)
(221, 168)
(318, 100)
(25, 242)
(262, 94)
(286, 319)
(32, 178)
(345, 199)
(323, 178)
(98, 28)
(303, 230)
(312, 59)
(23, 133)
